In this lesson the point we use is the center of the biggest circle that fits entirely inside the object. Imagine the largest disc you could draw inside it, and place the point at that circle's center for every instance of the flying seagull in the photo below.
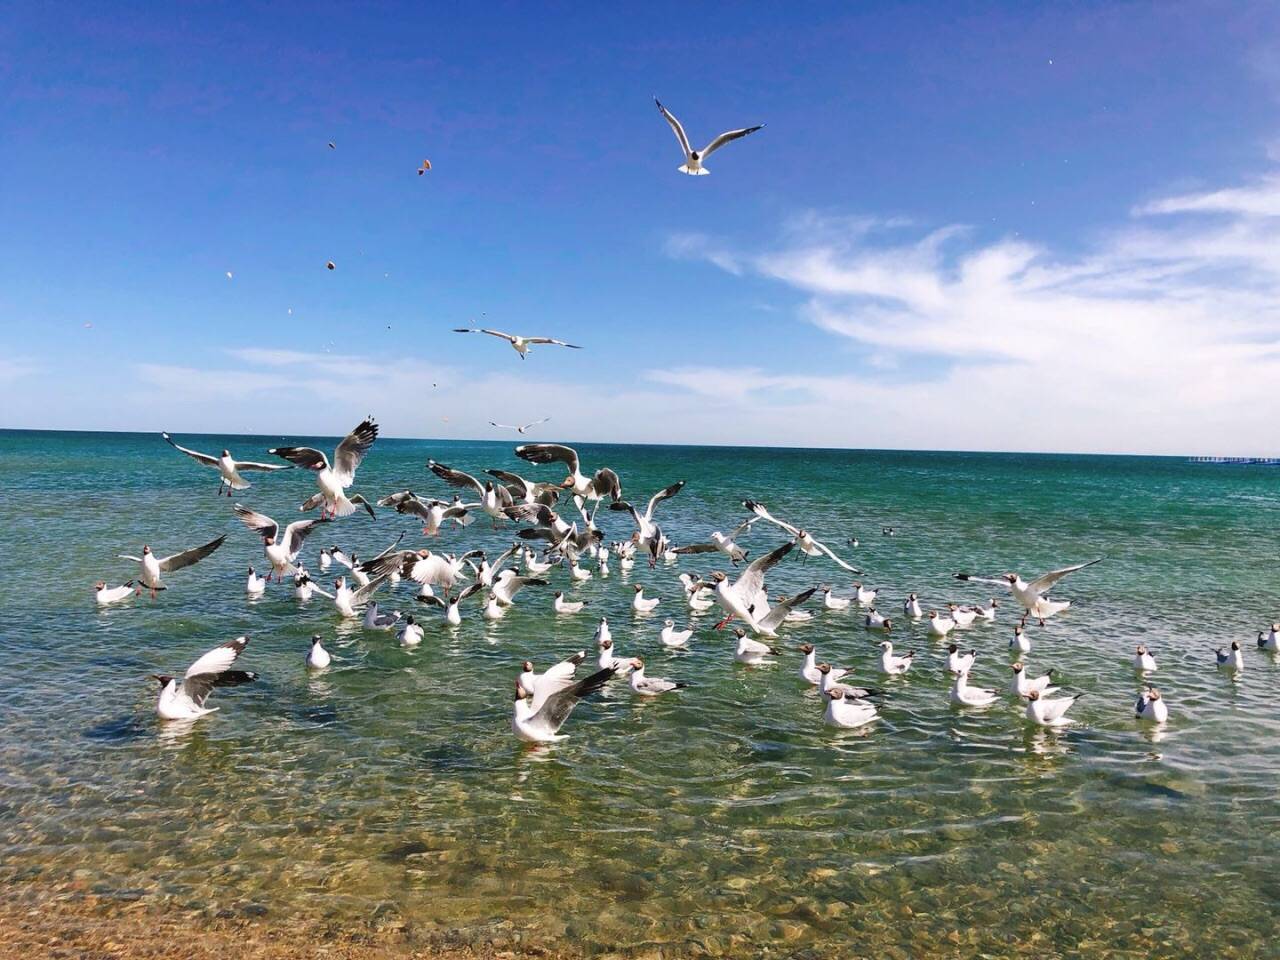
(151, 566)
(281, 551)
(334, 480)
(521, 428)
(604, 483)
(228, 467)
(543, 725)
(1034, 595)
(185, 699)
(519, 344)
(693, 158)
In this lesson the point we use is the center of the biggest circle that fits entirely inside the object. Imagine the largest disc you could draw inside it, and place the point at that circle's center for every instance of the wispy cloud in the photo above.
(1164, 337)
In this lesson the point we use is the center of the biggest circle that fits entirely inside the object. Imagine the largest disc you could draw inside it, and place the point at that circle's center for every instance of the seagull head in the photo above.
(1142, 649)
(606, 644)
(824, 668)
(567, 482)
(1017, 667)
(161, 678)
(315, 639)
(836, 694)
(952, 649)
(145, 550)
(637, 664)
(719, 576)
(1011, 577)
(888, 624)
(995, 602)
(527, 666)
(806, 648)
(1033, 695)
(886, 646)
(1153, 694)
(739, 632)
(226, 453)
(638, 588)
(668, 623)
(102, 585)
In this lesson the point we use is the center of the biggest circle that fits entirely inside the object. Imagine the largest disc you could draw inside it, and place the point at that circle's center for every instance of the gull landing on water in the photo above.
(520, 344)
(151, 567)
(227, 466)
(185, 699)
(1033, 595)
(693, 159)
(543, 725)
(334, 479)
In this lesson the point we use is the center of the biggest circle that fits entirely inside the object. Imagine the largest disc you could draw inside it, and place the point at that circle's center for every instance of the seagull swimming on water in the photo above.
(519, 344)
(108, 595)
(333, 479)
(843, 711)
(227, 466)
(1050, 713)
(151, 566)
(650, 686)
(1151, 707)
(693, 159)
(185, 699)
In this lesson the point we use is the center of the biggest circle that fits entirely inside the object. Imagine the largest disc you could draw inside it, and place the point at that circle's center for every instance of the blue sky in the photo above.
(978, 226)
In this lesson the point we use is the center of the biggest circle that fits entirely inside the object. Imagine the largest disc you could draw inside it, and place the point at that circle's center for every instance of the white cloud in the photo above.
(1165, 337)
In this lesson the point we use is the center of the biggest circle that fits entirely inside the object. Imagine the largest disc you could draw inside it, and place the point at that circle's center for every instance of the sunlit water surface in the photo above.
(725, 818)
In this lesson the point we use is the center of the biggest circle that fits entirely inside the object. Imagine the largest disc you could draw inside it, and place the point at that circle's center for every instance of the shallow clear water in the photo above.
(715, 820)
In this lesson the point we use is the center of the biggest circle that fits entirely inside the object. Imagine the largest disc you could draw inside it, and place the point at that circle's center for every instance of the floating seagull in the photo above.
(671, 637)
(151, 567)
(751, 652)
(844, 712)
(693, 159)
(561, 605)
(317, 656)
(988, 612)
(963, 616)
(1023, 685)
(185, 699)
(1270, 640)
(540, 686)
(1143, 661)
(891, 664)
(1151, 707)
(543, 725)
(745, 598)
(107, 595)
(833, 602)
(828, 680)
(911, 607)
(281, 551)
(519, 344)
(373, 620)
(609, 657)
(521, 428)
(809, 669)
(967, 696)
(334, 480)
(642, 604)
(1050, 713)
(604, 483)
(877, 621)
(650, 686)
(864, 597)
(255, 586)
(958, 661)
(227, 466)
(1032, 595)
(804, 540)
(346, 599)
(602, 631)
(452, 615)
(1020, 643)
(410, 633)
(1232, 659)
(304, 587)
(326, 558)
(721, 543)
(940, 626)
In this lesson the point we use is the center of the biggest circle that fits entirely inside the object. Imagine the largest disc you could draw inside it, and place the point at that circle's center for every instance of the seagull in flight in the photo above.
(1033, 595)
(185, 699)
(603, 483)
(519, 344)
(724, 544)
(809, 546)
(151, 566)
(522, 428)
(745, 598)
(693, 158)
(646, 529)
(543, 725)
(334, 479)
(280, 551)
(227, 466)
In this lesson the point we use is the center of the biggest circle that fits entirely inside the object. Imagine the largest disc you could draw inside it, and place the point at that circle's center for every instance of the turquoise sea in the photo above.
(722, 820)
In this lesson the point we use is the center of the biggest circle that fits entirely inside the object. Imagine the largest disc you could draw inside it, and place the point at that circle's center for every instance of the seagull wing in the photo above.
(555, 711)
(493, 333)
(193, 454)
(743, 527)
(455, 478)
(514, 480)
(549, 453)
(827, 550)
(727, 137)
(187, 557)
(622, 505)
(778, 613)
(664, 494)
(257, 522)
(970, 578)
(351, 451)
(606, 482)
(202, 676)
(298, 531)
(251, 465)
(308, 458)
(675, 125)
(751, 582)
(534, 423)
(370, 588)
(558, 343)
(1042, 583)
(697, 548)
(760, 511)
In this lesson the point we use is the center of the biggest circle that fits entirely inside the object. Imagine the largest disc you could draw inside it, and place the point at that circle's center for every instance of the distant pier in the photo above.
(1239, 461)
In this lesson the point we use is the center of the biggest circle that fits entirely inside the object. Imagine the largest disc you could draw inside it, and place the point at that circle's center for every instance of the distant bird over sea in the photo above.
(227, 466)
(522, 428)
(520, 344)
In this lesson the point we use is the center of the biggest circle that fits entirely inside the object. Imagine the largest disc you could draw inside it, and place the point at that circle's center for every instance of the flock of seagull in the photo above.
(556, 527)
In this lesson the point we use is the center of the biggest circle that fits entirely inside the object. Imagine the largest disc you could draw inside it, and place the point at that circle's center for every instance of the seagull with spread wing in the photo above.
(518, 428)
(281, 551)
(1034, 595)
(433, 513)
(151, 566)
(227, 466)
(745, 598)
(519, 344)
(693, 159)
(723, 544)
(333, 480)
(543, 725)
(494, 499)
(604, 483)
(646, 529)
(185, 699)
(808, 544)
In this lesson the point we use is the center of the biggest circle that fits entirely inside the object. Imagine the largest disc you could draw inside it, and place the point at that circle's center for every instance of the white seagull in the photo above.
(520, 344)
(108, 595)
(719, 542)
(1034, 595)
(1050, 713)
(150, 567)
(745, 598)
(185, 699)
(333, 480)
(254, 585)
(1143, 661)
(966, 696)
(893, 664)
(833, 602)
(1231, 659)
(828, 680)
(227, 466)
(940, 626)
(809, 546)
(671, 637)
(540, 686)
(281, 551)
(543, 725)
(911, 607)
(751, 652)
(1151, 707)
(642, 604)
(346, 599)
(693, 159)
(604, 483)
(410, 633)
(1270, 639)
(520, 428)
(650, 686)
(958, 661)
(645, 527)
(317, 656)
(1023, 685)
(452, 615)
(561, 605)
(1020, 643)
(844, 712)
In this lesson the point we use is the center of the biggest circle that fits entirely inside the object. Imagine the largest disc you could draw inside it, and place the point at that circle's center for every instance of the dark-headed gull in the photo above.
(1143, 661)
(719, 542)
(540, 686)
(648, 686)
(108, 595)
(1045, 712)
(317, 656)
(604, 483)
(150, 567)
(843, 711)
(518, 428)
(543, 725)
(966, 696)
(1151, 707)
(1023, 685)
(893, 664)
(185, 699)
(520, 344)
(1231, 659)
(333, 479)
(1034, 595)
(808, 545)
(281, 550)
(693, 159)
(227, 466)
(494, 499)
(450, 605)
(751, 652)
(646, 529)
(745, 598)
